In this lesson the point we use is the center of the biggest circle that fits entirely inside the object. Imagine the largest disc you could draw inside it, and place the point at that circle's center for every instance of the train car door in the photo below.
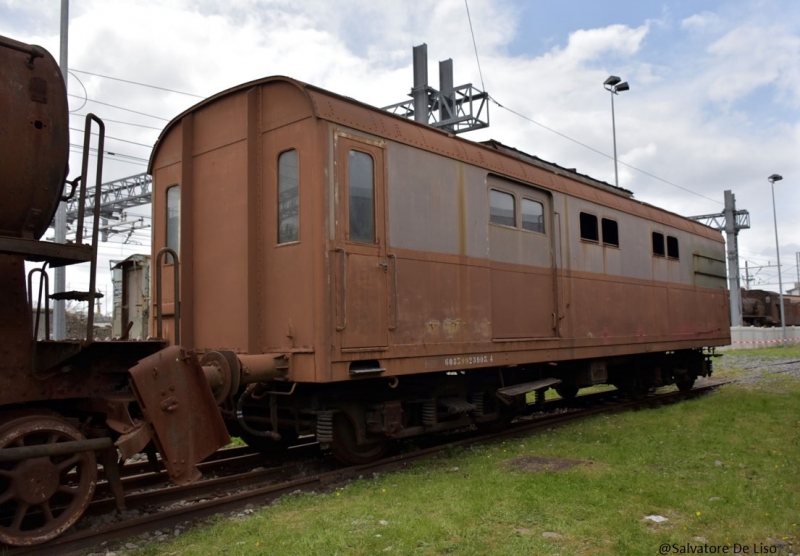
(360, 265)
(523, 273)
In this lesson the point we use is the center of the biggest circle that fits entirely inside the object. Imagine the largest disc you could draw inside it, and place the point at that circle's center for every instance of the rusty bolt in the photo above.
(170, 404)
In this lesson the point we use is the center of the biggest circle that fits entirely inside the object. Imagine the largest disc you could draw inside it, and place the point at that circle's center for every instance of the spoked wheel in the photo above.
(42, 497)
(347, 450)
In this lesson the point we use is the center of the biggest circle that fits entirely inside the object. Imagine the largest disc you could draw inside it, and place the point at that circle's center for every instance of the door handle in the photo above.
(384, 266)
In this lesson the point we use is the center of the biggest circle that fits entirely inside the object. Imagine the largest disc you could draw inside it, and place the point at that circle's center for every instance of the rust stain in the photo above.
(451, 327)
(462, 212)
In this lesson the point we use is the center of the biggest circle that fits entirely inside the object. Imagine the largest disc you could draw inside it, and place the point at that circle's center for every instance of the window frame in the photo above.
(660, 236)
(515, 226)
(603, 234)
(169, 259)
(348, 234)
(596, 239)
(278, 242)
(522, 221)
(677, 255)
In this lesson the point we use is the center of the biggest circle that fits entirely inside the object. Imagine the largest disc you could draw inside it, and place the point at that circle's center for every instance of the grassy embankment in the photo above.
(723, 468)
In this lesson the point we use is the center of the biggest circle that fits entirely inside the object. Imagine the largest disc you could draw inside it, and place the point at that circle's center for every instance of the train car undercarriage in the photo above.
(359, 420)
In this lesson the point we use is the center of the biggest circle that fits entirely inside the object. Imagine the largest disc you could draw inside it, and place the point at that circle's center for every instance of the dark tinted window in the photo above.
(532, 216)
(361, 191)
(589, 227)
(672, 247)
(610, 234)
(658, 244)
(501, 208)
(288, 198)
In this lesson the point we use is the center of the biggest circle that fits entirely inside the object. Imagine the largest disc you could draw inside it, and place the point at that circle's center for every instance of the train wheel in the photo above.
(684, 382)
(42, 497)
(347, 450)
(567, 391)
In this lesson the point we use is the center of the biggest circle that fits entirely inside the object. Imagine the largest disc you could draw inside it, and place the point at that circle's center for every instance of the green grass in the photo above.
(471, 502)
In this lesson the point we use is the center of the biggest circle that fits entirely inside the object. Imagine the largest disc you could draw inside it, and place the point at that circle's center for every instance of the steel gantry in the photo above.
(731, 221)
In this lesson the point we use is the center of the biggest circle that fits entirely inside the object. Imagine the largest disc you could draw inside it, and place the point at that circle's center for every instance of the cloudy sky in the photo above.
(714, 100)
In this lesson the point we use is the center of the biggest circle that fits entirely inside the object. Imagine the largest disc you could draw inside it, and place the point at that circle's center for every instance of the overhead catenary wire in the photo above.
(475, 45)
(646, 173)
(137, 83)
(121, 122)
(120, 108)
(120, 157)
(116, 139)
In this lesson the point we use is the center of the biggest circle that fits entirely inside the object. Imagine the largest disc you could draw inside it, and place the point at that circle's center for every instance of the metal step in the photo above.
(526, 387)
(76, 296)
(56, 254)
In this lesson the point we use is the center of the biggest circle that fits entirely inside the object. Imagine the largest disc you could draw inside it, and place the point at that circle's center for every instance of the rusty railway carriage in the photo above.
(321, 268)
(377, 278)
(763, 308)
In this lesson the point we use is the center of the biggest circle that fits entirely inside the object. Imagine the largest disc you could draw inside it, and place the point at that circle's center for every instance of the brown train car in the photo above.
(373, 278)
(762, 308)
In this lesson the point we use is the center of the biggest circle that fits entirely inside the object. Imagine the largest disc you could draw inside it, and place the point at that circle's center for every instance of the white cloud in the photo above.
(362, 48)
(750, 57)
(705, 21)
(586, 45)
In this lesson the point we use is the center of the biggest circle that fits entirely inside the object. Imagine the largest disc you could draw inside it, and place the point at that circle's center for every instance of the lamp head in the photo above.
(775, 177)
(611, 81)
(622, 87)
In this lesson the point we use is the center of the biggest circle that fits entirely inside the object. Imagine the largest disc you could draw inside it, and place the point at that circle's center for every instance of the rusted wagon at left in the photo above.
(67, 405)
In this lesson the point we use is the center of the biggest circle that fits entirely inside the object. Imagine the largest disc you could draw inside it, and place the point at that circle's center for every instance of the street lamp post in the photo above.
(613, 85)
(772, 179)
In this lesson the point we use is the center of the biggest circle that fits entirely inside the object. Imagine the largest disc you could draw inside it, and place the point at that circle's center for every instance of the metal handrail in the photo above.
(344, 290)
(395, 308)
(176, 299)
(95, 212)
(44, 283)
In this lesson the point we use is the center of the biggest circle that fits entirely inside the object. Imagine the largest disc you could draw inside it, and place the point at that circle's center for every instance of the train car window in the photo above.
(288, 198)
(532, 216)
(672, 247)
(658, 244)
(173, 220)
(589, 227)
(361, 192)
(501, 208)
(610, 232)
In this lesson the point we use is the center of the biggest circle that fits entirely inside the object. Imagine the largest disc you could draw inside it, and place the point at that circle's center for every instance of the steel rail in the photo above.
(88, 538)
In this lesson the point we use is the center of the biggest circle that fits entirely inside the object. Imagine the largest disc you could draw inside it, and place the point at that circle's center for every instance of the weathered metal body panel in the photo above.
(437, 287)
(34, 128)
(762, 308)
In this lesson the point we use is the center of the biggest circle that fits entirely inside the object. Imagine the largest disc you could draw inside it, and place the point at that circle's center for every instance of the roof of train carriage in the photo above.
(458, 150)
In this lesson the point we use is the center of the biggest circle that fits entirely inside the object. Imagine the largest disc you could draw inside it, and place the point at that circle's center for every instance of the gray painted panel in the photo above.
(435, 203)
(440, 205)
(515, 245)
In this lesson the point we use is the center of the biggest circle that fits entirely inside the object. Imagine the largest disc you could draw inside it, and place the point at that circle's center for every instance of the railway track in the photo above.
(150, 507)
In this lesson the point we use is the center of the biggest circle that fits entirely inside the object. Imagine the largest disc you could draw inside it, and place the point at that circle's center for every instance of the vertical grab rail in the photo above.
(394, 292)
(87, 135)
(344, 289)
(176, 298)
(44, 283)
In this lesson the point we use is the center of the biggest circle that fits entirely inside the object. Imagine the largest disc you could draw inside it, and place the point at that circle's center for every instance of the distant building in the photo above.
(131, 279)
(795, 290)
